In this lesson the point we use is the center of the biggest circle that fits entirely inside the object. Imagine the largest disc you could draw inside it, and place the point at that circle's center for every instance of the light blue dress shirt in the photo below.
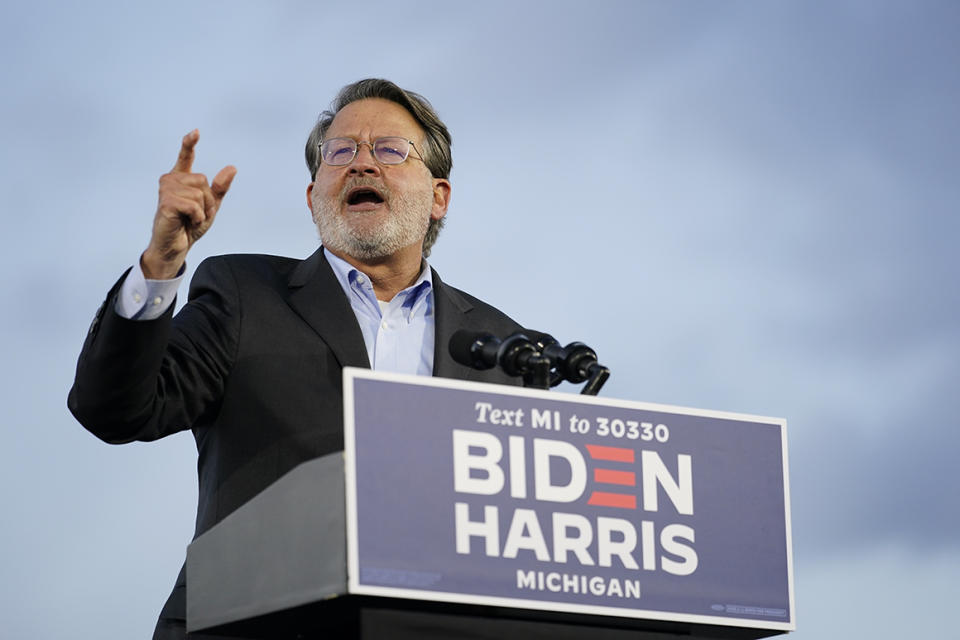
(398, 334)
(142, 299)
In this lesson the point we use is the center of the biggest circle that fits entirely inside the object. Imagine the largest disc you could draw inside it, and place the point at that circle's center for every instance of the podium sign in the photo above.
(485, 494)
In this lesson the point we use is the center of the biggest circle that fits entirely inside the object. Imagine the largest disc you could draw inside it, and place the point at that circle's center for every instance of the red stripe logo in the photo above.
(609, 476)
(613, 454)
(613, 476)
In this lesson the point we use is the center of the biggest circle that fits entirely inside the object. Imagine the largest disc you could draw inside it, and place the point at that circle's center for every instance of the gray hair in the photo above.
(436, 151)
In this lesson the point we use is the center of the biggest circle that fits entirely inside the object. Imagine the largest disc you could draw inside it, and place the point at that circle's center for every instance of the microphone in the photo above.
(474, 349)
(537, 356)
(481, 350)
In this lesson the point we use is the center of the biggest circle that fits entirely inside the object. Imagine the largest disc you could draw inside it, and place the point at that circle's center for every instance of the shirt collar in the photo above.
(348, 276)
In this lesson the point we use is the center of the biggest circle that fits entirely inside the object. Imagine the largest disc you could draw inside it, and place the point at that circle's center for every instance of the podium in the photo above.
(466, 510)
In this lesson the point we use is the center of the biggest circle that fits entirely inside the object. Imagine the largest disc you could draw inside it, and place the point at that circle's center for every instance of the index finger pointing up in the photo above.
(185, 159)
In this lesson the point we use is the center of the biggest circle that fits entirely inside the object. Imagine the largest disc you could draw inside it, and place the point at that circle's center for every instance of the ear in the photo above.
(441, 198)
(309, 199)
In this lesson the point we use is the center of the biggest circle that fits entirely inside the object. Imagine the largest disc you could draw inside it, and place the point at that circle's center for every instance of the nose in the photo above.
(364, 163)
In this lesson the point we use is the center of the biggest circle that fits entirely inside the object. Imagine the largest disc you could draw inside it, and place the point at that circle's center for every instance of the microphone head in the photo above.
(576, 366)
(514, 353)
(475, 349)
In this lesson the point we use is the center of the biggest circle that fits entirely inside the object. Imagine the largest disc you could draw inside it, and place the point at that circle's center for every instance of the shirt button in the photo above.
(157, 300)
(137, 297)
(384, 325)
(361, 280)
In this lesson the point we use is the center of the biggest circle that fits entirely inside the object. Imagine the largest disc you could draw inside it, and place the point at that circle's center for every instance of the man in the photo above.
(252, 364)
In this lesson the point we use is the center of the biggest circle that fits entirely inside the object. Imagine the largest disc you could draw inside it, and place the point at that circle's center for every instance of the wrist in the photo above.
(157, 266)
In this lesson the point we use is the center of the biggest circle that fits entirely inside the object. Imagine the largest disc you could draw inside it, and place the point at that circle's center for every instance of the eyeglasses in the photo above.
(339, 152)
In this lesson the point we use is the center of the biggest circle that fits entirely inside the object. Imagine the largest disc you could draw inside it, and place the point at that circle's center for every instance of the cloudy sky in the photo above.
(743, 206)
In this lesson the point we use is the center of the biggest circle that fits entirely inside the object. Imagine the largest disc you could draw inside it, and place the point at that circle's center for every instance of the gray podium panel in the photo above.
(283, 549)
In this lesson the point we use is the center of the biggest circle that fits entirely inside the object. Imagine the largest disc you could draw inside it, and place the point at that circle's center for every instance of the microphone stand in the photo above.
(538, 374)
(574, 363)
(598, 375)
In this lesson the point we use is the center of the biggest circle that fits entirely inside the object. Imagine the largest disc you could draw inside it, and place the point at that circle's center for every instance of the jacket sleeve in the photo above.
(143, 380)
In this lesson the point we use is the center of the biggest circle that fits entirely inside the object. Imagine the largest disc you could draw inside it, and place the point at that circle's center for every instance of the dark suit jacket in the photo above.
(252, 365)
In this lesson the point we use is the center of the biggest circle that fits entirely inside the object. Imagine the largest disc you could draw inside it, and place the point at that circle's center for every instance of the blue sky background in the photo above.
(743, 206)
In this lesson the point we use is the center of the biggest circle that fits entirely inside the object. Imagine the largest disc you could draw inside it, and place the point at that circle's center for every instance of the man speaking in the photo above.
(252, 363)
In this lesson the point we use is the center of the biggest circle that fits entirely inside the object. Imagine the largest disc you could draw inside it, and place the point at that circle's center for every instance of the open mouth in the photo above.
(364, 195)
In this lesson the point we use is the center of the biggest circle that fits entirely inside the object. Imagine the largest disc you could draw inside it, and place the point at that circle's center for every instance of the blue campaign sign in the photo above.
(485, 494)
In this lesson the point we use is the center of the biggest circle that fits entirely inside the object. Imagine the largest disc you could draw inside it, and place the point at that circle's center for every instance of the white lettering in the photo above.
(562, 543)
(525, 533)
(545, 419)
(668, 539)
(464, 462)
(518, 476)
(543, 451)
(553, 582)
(482, 407)
(526, 579)
(506, 417)
(577, 583)
(597, 586)
(613, 588)
(607, 547)
(655, 473)
(648, 546)
(488, 528)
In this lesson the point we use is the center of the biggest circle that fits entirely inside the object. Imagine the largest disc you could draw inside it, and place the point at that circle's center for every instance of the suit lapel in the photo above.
(450, 311)
(318, 298)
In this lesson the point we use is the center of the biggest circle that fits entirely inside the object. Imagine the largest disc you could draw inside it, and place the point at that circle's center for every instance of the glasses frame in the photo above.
(373, 150)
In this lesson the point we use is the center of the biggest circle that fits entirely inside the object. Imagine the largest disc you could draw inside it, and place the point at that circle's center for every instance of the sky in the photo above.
(742, 206)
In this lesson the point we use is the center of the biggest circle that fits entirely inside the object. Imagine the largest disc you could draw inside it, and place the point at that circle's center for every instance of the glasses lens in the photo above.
(391, 150)
(338, 151)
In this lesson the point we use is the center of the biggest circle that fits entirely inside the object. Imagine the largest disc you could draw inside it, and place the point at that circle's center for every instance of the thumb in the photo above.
(222, 181)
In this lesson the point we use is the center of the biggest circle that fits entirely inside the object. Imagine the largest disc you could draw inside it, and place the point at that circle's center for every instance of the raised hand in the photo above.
(186, 207)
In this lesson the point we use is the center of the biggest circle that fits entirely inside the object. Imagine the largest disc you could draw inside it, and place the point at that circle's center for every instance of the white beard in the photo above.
(357, 234)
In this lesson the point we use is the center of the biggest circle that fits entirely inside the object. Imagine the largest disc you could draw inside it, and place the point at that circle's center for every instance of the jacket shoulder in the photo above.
(481, 309)
(242, 271)
(250, 263)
